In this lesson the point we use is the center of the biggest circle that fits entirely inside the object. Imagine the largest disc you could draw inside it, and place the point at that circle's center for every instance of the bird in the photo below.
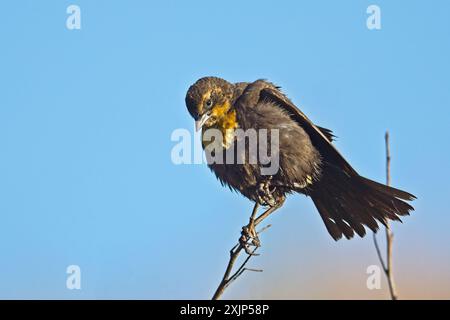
(308, 161)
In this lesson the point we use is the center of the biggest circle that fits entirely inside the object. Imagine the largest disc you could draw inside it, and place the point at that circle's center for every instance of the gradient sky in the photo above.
(86, 117)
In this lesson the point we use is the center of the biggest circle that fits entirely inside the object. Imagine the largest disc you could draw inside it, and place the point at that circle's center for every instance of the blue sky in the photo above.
(86, 117)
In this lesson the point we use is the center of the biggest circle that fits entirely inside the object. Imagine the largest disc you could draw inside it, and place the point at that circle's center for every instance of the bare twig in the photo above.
(387, 267)
(380, 257)
(228, 277)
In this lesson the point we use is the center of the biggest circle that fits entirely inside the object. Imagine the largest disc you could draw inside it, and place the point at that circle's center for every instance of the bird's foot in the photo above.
(265, 194)
(249, 237)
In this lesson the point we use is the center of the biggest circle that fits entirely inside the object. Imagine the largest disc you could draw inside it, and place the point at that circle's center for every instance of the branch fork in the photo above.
(249, 242)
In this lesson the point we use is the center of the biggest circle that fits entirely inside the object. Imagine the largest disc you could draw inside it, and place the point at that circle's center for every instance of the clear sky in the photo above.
(86, 116)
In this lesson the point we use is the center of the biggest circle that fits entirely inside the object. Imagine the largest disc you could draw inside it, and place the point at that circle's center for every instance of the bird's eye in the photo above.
(209, 103)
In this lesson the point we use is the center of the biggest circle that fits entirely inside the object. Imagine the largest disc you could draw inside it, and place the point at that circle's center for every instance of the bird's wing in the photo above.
(327, 132)
(345, 200)
(320, 137)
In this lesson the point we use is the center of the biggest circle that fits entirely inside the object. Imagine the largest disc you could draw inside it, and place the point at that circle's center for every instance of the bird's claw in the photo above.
(266, 195)
(249, 237)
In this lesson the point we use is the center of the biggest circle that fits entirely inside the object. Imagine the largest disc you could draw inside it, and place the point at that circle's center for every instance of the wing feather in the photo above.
(317, 135)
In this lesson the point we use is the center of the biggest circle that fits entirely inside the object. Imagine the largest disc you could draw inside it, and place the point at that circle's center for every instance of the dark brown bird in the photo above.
(307, 161)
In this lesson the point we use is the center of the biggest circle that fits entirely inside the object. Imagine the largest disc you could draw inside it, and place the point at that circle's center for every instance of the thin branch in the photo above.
(380, 257)
(241, 269)
(388, 158)
(389, 234)
(243, 244)
(387, 268)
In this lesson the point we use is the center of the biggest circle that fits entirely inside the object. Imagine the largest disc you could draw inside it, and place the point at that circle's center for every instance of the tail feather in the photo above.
(389, 190)
(349, 203)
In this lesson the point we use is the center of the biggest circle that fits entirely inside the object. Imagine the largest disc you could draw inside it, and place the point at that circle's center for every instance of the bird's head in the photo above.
(209, 101)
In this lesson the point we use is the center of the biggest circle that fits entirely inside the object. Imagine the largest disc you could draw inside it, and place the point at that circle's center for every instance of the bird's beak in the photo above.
(200, 122)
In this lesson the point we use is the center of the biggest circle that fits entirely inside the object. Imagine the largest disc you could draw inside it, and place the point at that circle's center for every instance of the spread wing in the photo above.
(320, 137)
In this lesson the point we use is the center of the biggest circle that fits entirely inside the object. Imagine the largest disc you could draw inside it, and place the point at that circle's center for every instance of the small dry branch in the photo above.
(387, 267)
(244, 244)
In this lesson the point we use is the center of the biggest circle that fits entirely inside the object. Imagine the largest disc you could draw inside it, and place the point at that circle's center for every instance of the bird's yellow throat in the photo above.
(225, 120)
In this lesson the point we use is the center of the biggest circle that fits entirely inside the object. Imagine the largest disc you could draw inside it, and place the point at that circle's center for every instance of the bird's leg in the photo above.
(269, 211)
(249, 232)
